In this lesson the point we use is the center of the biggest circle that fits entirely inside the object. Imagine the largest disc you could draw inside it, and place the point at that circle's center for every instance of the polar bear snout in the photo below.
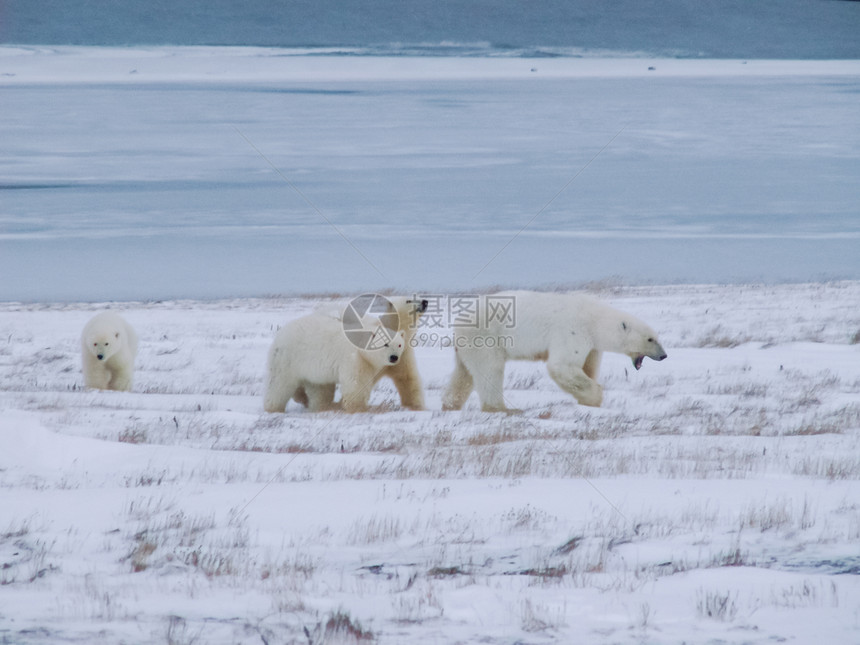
(101, 357)
(657, 355)
(393, 359)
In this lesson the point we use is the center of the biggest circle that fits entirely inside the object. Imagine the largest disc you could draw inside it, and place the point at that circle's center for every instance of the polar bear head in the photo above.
(385, 349)
(103, 342)
(638, 340)
(409, 310)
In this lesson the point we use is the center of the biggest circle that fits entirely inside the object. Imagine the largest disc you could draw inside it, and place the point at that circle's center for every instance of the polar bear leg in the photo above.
(459, 388)
(407, 380)
(300, 396)
(355, 386)
(318, 397)
(279, 389)
(355, 400)
(592, 364)
(96, 375)
(120, 379)
(487, 369)
(573, 379)
(322, 397)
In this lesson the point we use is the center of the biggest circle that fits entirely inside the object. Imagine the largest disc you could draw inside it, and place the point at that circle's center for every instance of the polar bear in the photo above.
(311, 355)
(569, 332)
(404, 373)
(108, 350)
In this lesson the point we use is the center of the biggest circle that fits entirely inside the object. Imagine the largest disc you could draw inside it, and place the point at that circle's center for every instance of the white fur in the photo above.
(108, 350)
(404, 373)
(568, 331)
(311, 355)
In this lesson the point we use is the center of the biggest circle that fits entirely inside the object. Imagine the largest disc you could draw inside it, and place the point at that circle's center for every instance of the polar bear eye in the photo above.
(650, 340)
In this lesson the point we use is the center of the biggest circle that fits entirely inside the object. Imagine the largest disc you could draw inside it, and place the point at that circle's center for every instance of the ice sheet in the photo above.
(206, 172)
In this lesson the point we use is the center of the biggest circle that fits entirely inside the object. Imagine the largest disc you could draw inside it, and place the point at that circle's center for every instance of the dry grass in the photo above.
(375, 529)
(717, 605)
(717, 337)
(539, 617)
(682, 431)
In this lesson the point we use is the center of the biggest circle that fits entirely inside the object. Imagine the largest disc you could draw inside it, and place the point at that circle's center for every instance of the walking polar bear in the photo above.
(569, 332)
(108, 350)
(310, 356)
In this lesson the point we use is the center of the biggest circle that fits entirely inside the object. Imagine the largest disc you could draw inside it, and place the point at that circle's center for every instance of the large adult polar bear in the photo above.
(312, 354)
(404, 373)
(568, 331)
(108, 350)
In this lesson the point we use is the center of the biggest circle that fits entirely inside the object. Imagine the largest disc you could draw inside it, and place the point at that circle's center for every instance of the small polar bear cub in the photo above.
(311, 355)
(570, 332)
(108, 350)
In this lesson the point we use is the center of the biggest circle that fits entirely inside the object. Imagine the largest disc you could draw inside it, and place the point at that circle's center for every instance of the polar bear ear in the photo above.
(421, 304)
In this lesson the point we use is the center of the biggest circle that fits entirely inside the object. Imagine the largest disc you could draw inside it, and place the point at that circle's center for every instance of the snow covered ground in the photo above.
(714, 497)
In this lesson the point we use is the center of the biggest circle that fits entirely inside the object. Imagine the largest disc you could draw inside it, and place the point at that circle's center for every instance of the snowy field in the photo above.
(714, 497)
